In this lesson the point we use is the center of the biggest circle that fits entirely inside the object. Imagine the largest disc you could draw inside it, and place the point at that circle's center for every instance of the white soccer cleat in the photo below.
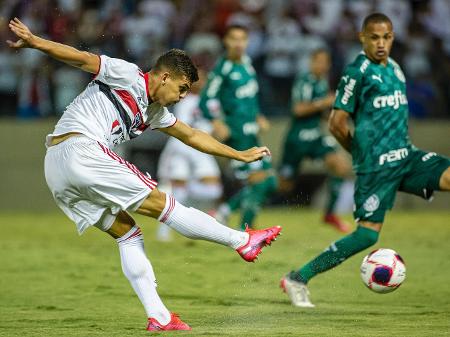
(297, 292)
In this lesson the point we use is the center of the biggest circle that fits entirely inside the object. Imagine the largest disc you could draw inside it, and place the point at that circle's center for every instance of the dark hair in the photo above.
(177, 62)
(376, 18)
(230, 27)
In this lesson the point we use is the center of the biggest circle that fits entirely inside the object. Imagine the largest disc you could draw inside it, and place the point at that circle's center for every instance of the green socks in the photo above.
(334, 186)
(250, 199)
(337, 253)
(255, 198)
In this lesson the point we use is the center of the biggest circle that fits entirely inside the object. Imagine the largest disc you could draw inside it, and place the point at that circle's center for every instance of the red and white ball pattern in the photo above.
(383, 270)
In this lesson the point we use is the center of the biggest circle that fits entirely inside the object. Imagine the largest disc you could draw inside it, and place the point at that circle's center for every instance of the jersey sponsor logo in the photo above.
(251, 128)
(399, 73)
(393, 155)
(364, 66)
(309, 134)
(394, 101)
(372, 203)
(428, 156)
(247, 90)
(235, 76)
(348, 89)
(377, 77)
(214, 86)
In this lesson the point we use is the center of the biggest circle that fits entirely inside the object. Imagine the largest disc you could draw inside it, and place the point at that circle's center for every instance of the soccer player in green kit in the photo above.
(230, 101)
(372, 92)
(311, 96)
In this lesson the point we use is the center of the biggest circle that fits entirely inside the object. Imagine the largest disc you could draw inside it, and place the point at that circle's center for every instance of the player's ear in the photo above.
(164, 77)
(361, 37)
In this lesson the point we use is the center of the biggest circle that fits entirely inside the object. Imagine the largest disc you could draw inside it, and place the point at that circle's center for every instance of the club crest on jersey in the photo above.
(399, 74)
(372, 203)
(116, 128)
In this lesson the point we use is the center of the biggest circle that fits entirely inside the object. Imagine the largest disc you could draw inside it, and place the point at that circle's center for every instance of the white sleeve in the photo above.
(162, 119)
(116, 72)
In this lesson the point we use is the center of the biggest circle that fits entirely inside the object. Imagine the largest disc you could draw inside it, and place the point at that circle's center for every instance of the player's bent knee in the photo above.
(444, 181)
(122, 225)
(153, 205)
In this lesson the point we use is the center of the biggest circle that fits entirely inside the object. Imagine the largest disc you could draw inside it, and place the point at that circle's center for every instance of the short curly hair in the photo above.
(376, 18)
(176, 61)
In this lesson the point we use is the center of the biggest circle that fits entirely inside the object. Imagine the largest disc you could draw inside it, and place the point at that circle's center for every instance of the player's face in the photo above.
(172, 89)
(236, 42)
(320, 64)
(377, 41)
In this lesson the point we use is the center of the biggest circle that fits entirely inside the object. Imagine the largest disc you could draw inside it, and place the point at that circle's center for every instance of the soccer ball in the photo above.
(383, 270)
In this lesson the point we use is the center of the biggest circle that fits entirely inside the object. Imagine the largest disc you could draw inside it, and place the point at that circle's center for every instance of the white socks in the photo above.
(139, 272)
(194, 224)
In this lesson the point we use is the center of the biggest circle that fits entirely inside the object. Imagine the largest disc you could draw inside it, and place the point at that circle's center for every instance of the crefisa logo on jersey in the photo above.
(372, 203)
(348, 89)
(393, 101)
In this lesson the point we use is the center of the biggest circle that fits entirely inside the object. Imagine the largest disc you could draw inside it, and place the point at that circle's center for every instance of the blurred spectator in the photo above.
(282, 34)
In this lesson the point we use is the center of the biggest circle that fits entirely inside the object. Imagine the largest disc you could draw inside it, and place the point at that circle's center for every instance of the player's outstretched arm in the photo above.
(206, 143)
(339, 128)
(307, 108)
(74, 57)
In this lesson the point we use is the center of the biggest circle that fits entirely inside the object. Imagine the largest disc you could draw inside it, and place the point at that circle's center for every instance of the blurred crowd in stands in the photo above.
(282, 34)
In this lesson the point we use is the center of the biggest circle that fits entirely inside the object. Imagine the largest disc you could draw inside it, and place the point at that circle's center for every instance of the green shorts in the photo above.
(242, 170)
(375, 192)
(295, 150)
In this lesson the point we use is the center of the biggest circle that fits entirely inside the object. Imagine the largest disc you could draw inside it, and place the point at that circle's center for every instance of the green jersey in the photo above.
(375, 97)
(231, 94)
(307, 88)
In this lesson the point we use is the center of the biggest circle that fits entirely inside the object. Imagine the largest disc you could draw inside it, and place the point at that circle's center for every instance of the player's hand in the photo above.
(263, 123)
(253, 154)
(22, 32)
(220, 130)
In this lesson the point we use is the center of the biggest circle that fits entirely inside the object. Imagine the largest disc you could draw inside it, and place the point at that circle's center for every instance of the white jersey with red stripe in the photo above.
(114, 107)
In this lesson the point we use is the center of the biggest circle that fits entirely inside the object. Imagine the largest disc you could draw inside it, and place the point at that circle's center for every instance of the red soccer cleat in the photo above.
(175, 324)
(336, 222)
(257, 240)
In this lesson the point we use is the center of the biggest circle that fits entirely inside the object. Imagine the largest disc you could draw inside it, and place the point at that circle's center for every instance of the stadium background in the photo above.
(34, 89)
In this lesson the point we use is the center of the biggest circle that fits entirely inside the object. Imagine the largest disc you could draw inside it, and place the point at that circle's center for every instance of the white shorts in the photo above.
(91, 183)
(181, 162)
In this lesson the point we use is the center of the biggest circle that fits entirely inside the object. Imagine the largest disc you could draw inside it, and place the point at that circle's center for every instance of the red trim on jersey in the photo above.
(169, 210)
(99, 66)
(150, 183)
(146, 85)
(128, 99)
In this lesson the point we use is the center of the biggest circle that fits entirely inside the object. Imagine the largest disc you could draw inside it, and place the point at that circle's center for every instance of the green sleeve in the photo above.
(210, 105)
(349, 89)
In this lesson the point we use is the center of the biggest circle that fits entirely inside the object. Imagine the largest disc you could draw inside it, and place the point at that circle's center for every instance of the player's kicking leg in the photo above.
(195, 224)
(138, 270)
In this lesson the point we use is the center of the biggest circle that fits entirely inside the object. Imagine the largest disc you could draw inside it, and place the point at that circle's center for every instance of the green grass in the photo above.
(54, 283)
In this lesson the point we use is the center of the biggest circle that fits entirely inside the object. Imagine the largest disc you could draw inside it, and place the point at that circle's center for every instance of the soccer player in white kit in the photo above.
(191, 176)
(96, 187)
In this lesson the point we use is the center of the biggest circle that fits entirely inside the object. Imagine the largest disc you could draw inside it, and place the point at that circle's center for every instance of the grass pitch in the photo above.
(54, 283)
